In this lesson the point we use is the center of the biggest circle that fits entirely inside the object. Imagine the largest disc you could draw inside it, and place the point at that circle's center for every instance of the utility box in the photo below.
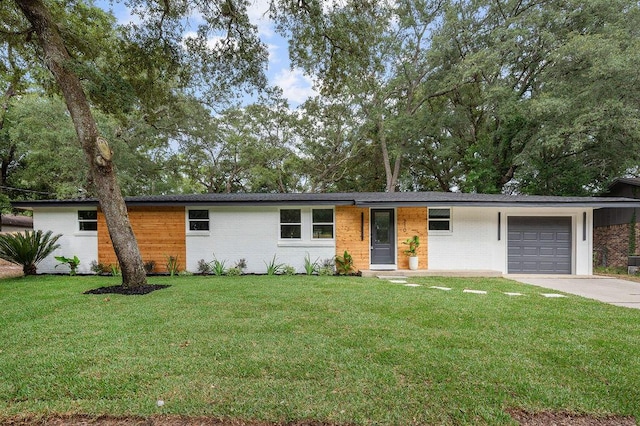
(634, 261)
(633, 265)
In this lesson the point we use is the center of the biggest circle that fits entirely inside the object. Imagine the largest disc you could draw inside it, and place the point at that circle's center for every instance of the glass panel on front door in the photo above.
(382, 227)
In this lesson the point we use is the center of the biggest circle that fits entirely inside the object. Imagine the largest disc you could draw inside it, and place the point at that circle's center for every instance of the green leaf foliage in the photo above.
(28, 248)
(477, 96)
(344, 263)
(480, 96)
(71, 262)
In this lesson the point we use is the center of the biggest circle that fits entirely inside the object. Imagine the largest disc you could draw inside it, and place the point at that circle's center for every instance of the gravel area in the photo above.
(9, 270)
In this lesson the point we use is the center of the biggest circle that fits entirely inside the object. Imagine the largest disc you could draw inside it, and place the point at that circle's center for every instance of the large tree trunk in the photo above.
(5, 161)
(391, 174)
(101, 170)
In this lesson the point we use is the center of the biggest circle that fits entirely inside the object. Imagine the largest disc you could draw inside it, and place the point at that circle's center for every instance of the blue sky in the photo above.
(295, 85)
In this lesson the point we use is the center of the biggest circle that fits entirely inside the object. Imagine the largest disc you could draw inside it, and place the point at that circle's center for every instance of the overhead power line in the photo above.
(26, 190)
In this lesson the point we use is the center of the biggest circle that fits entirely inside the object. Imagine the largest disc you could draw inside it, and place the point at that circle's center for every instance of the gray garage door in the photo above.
(539, 245)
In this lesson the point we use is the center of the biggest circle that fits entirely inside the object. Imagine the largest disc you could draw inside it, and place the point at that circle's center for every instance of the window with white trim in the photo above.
(198, 220)
(439, 219)
(322, 223)
(290, 224)
(87, 220)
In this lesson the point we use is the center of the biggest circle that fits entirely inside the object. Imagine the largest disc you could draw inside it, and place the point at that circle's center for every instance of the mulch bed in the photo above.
(127, 291)
(522, 417)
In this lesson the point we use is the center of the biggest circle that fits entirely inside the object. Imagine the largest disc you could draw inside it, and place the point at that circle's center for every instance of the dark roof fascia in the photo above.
(446, 199)
(381, 199)
(588, 204)
(243, 199)
(239, 203)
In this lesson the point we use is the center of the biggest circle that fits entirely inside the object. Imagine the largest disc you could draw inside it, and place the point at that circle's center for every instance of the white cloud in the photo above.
(212, 42)
(258, 11)
(120, 11)
(274, 54)
(296, 86)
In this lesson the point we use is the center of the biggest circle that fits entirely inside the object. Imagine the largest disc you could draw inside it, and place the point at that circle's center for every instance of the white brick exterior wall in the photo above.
(253, 233)
(473, 241)
(83, 244)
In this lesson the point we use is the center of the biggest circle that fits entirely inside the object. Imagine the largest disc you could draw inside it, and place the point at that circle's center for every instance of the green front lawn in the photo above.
(348, 350)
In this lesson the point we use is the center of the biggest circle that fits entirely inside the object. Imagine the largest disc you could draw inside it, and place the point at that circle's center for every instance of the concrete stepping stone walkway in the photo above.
(466, 290)
(441, 288)
(403, 280)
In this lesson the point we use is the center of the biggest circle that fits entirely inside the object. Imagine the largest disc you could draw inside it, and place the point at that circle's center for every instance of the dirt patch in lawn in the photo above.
(634, 278)
(522, 417)
(9, 270)
(79, 420)
(568, 419)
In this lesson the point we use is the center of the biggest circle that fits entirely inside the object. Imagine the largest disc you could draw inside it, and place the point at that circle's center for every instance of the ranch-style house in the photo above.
(504, 234)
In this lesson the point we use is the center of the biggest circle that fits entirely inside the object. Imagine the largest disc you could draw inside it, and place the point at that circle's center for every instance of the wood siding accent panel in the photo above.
(160, 232)
(412, 221)
(349, 236)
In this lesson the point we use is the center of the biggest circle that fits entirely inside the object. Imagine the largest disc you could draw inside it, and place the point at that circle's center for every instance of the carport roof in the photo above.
(363, 199)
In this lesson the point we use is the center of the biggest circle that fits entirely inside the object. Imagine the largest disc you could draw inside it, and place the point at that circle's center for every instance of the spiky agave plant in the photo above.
(28, 248)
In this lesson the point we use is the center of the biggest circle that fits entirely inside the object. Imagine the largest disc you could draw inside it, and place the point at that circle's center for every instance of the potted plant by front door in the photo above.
(412, 251)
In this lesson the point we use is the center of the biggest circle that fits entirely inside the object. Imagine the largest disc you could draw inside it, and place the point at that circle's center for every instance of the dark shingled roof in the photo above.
(629, 181)
(17, 221)
(365, 199)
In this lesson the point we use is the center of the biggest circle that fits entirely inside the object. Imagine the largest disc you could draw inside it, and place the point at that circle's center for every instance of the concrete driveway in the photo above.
(609, 290)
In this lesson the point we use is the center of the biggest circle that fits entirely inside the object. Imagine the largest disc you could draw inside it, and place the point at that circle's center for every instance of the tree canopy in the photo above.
(535, 97)
(139, 70)
(486, 96)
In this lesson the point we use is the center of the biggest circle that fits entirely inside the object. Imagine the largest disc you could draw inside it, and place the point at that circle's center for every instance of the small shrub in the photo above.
(238, 268)
(325, 271)
(344, 264)
(28, 249)
(173, 265)
(326, 268)
(273, 267)
(149, 266)
(114, 269)
(310, 268)
(234, 272)
(204, 267)
(413, 243)
(218, 267)
(99, 268)
(241, 264)
(289, 270)
(72, 262)
(327, 263)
